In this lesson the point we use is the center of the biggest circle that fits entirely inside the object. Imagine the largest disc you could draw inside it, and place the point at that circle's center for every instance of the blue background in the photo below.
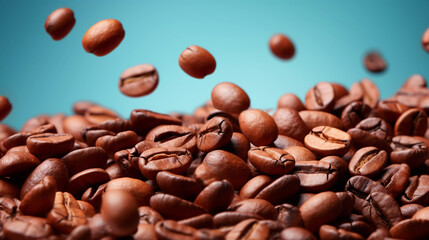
(40, 75)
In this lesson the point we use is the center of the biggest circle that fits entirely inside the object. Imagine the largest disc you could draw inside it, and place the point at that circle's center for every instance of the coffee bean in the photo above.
(362, 187)
(409, 150)
(369, 91)
(331, 232)
(18, 160)
(325, 140)
(248, 229)
(290, 123)
(230, 98)
(258, 127)
(368, 162)
(59, 23)
(172, 207)
(81, 181)
(281, 46)
(214, 134)
(410, 229)
(293, 233)
(177, 185)
(198, 222)
(8, 189)
(103, 37)
(238, 145)
(228, 219)
(374, 62)
(321, 97)
(149, 216)
(81, 159)
(47, 145)
(139, 80)
(394, 178)
(300, 153)
(141, 191)
(271, 161)
(87, 208)
(197, 62)
(390, 110)
(413, 122)
(415, 81)
(5, 107)
(222, 191)
(66, 213)
(318, 118)
(144, 120)
(408, 210)
(209, 234)
(283, 142)
(74, 125)
(257, 206)
(173, 136)
(425, 40)
(289, 216)
(382, 210)
(98, 114)
(290, 100)
(170, 229)
(27, 227)
(40, 199)
(315, 176)
(417, 191)
(354, 113)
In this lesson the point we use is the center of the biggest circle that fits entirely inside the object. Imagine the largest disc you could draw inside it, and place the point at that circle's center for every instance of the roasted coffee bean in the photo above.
(81, 181)
(382, 210)
(87, 208)
(173, 136)
(369, 91)
(394, 178)
(40, 199)
(409, 150)
(93, 195)
(354, 113)
(116, 125)
(20, 138)
(214, 134)
(8, 189)
(368, 162)
(27, 227)
(374, 62)
(119, 210)
(220, 165)
(149, 216)
(103, 37)
(59, 23)
(417, 190)
(238, 145)
(172, 207)
(197, 62)
(379, 233)
(271, 160)
(257, 206)
(82, 232)
(8, 208)
(232, 118)
(408, 210)
(300, 153)
(290, 100)
(66, 213)
(98, 114)
(325, 140)
(318, 118)
(258, 126)
(425, 40)
(175, 160)
(248, 229)
(315, 176)
(112, 144)
(144, 120)
(390, 110)
(47, 145)
(330, 232)
(74, 125)
(177, 185)
(135, 152)
(410, 229)
(222, 191)
(415, 81)
(340, 165)
(17, 161)
(340, 90)
(91, 134)
(413, 122)
(410, 97)
(138, 81)
(362, 138)
(422, 214)
(347, 200)
(230, 98)
(81, 159)
(228, 219)
(209, 234)
(290, 123)
(281, 46)
(254, 186)
(377, 127)
(141, 191)
(283, 142)
(320, 209)
(294, 233)
(321, 97)
(198, 222)
(80, 107)
(170, 230)
(5, 107)
(289, 216)
(34, 123)
(362, 187)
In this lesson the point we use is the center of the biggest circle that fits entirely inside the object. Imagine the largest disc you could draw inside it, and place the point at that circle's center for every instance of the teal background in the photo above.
(40, 75)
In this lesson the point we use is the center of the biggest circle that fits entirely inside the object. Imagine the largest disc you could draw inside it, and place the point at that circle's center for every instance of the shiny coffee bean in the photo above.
(47, 145)
(149, 216)
(290, 123)
(271, 160)
(417, 190)
(321, 97)
(280, 189)
(415, 81)
(340, 165)
(87, 208)
(59, 23)
(172, 207)
(315, 176)
(27, 227)
(283, 142)
(258, 126)
(325, 140)
(173, 136)
(368, 161)
(144, 120)
(230, 219)
(81, 181)
(369, 91)
(18, 160)
(66, 213)
(318, 118)
(199, 222)
(138, 81)
(222, 191)
(248, 229)
(177, 185)
(98, 114)
(281, 46)
(257, 206)
(290, 100)
(300, 153)
(347, 200)
(141, 191)
(5, 107)
(214, 134)
(409, 150)
(390, 110)
(81, 159)
(408, 210)
(289, 216)
(410, 229)
(377, 127)
(238, 145)
(354, 113)
(112, 144)
(382, 210)
(394, 178)
(197, 62)
(40, 199)
(374, 62)
(413, 122)
(74, 125)
(103, 37)
(362, 187)
(230, 98)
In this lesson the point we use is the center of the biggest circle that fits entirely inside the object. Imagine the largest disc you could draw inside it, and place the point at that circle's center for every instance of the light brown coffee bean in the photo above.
(103, 37)
(197, 62)
(138, 81)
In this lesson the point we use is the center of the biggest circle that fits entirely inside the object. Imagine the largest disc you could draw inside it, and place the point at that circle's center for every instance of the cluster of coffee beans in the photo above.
(343, 164)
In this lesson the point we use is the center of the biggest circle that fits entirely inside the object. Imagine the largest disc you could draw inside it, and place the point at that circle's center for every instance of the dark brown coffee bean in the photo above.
(289, 216)
(294, 233)
(410, 229)
(260, 207)
(248, 229)
(382, 210)
(374, 62)
(318, 118)
(394, 178)
(315, 176)
(93, 195)
(222, 191)
(409, 150)
(18, 160)
(425, 40)
(271, 160)
(197, 62)
(228, 219)
(254, 186)
(321, 97)
(347, 200)
(91, 134)
(343, 102)
(5, 107)
(173, 136)
(279, 190)
(330, 232)
(81, 159)
(300, 153)
(19, 139)
(171, 230)
(74, 125)
(362, 187)
(112, 144)
(144, 120)
(325, 140)
(413, 122)
(220, 165)
(177, 185)
(66, 213)
(230, 98)
(354, 113)
(172, 207)
(340, 90)
(283, 142)
(320, 209)
(27, 227)
(258, 126)
(368, 162)
(8, 189)
(390, 110)
(198, 222)
(290, 100)
(141, 191)
(149, 216)
(238, 145)
(214, 134)
(340, 165)
(59, 23)
(103, 37)
(290, 123)
(281, 46)
(8, 208)
(48, 145)
(417, 191)
(81, 181)
(138, 81)
(408, 210)
(87, 208)
(40, 199)
(119, 210)
(362, 138)
(377, 127)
